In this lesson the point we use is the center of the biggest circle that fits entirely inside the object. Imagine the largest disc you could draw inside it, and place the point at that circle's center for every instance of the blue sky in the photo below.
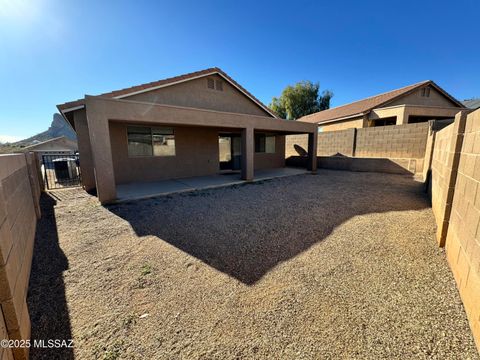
(53, 51)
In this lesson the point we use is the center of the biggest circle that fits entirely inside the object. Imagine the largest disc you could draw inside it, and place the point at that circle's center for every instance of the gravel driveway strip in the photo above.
(338, 265)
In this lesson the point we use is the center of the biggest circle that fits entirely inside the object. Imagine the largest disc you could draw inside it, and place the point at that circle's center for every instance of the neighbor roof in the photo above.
(118, 94)
(59, 138)
(472, 103)
(364, 106)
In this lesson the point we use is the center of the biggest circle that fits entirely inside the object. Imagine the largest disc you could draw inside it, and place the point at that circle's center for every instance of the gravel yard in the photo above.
(336, 265)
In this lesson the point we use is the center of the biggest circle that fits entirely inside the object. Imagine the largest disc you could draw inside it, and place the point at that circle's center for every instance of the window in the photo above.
(210, 83)
(385, 121)
(147, 141)
(219, 85)
(139, 141)
(265, 143)
(425, 92)
(163, 141)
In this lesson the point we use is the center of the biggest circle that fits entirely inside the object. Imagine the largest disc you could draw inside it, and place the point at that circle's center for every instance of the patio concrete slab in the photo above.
(144, 190)
(266, 174)
(206, 182)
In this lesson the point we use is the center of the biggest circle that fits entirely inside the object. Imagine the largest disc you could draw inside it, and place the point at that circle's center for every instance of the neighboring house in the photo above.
(59, 145)
(472, 103)
(196, 124)
(411, 104)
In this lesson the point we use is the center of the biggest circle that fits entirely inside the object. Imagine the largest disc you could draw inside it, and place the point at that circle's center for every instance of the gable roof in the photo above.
(364, 106)
(122, 93)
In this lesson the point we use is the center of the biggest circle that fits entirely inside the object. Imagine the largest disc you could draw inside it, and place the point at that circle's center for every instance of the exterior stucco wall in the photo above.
(85, 150)
(101, 112)
(268, 161)
(382, 113)
(403, 112)
(415, 98)
(342, 125)
(435, 106)
(196, 154)
(196, 94)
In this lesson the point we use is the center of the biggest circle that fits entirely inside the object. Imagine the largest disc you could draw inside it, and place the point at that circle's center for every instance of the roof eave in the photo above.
(321, 122)
(63, 108)
(219, 72)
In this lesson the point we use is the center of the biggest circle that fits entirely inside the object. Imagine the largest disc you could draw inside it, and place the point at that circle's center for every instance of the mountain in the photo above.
(59, 127)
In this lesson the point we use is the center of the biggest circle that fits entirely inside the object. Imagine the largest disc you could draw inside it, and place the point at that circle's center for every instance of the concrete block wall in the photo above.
(395, 141)
(443, 174)
(463, 235)
(455, 194)
(19, 211)
(328, 144)
(340, 142)
(291, 141)
(404, 145)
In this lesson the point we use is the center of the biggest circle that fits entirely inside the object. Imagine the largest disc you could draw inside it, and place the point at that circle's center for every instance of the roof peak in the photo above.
(365, 105)
(129, 91)
(414, 85)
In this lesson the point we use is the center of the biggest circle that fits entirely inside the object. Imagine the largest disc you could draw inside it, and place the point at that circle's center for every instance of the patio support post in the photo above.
(84, 147)
(99, 131)
(312, 151)
(248, 153)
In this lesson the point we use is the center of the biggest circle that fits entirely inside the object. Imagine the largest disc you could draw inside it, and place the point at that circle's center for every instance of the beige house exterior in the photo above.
(174, 128)
(411, 104)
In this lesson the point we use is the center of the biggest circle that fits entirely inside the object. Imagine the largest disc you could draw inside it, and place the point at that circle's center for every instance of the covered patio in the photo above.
(144, 190)
(118, 176)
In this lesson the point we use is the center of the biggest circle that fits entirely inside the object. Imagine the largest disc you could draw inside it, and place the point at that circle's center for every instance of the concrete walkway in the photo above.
(143, 190)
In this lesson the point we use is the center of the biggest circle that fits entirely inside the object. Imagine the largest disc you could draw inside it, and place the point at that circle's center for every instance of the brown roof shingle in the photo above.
(172, 80)
(365, 105)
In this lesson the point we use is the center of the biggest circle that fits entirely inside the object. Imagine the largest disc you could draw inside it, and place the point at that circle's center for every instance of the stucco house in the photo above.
(197, 124)
(415, 103)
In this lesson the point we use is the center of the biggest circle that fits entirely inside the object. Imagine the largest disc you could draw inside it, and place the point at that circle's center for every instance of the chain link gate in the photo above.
(61, 171)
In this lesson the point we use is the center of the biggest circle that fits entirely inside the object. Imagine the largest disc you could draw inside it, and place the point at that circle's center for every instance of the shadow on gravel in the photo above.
(245, 231)
(46, 293)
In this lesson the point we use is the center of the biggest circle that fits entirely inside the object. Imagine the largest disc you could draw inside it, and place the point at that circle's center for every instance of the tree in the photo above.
(301, 99)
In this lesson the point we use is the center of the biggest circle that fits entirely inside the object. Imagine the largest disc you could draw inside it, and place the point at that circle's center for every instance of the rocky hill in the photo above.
(59, 127)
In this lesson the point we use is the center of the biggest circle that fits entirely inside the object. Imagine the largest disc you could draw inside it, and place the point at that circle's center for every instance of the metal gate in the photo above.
(61, 171)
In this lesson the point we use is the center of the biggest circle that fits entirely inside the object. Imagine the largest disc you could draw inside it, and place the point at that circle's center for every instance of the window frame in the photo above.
(164, 128)
(265, 136)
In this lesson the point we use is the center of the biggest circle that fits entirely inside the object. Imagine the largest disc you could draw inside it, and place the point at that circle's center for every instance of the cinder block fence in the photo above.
(392, 149)
(455, 193)
(19, 210)
(448, 159)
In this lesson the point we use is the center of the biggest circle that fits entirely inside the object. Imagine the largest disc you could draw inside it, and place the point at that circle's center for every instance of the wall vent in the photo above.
(210, 83)
(425, 92)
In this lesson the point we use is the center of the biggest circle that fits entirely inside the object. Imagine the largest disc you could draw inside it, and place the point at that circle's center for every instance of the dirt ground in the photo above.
(337, 265)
